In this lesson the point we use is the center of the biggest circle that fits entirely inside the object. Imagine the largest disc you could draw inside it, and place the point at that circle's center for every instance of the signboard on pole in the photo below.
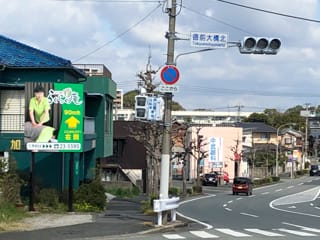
(216, 152)
(169, 74)
(168, 88)
(209, 40)
(69, 135)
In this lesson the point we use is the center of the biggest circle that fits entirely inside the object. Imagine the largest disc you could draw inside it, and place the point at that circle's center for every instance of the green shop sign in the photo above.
(67, 98)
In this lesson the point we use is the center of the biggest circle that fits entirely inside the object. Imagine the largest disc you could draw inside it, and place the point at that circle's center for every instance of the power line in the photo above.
(270, 12)
(217, 20)
(119, 35)
(111, 1)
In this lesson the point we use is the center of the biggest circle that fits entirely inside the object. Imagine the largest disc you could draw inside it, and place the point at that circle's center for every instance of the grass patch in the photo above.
(9, 216)
(124, 192)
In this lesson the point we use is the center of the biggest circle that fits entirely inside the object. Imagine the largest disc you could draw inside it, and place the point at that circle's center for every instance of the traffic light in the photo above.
(141, 107)
(260, 45)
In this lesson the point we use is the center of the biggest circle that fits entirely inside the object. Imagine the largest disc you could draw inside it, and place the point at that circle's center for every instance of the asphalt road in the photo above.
(288, 210)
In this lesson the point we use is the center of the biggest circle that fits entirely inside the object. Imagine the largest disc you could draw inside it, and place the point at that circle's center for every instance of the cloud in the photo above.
(72, 29)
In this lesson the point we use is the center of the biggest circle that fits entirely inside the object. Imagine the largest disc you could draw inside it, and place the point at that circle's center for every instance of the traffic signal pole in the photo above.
(166, 141)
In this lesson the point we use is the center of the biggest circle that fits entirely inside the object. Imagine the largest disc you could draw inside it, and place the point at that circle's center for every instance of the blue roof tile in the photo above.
(16, 54)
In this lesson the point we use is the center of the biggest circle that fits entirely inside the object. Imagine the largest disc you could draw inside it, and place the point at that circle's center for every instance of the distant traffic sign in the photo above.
(169, 74)
(207, 39)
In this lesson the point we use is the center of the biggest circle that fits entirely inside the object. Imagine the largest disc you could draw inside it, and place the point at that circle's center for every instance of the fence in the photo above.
(11, 123)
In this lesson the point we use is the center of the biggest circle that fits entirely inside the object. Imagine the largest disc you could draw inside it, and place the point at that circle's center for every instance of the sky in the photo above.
(122, 34)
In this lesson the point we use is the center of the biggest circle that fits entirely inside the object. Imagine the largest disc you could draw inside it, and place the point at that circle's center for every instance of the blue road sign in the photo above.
(169, 74)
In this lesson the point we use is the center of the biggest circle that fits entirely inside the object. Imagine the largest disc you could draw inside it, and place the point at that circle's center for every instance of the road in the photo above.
(288, 210)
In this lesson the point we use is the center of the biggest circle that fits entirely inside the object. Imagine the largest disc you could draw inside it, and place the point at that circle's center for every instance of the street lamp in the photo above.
(277, 145)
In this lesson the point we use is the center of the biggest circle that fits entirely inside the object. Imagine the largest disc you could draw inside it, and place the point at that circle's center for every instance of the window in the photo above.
(264, 136)
(108, 116)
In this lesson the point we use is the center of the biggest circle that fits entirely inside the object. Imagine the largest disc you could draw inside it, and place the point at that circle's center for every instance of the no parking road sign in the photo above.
(170, 74)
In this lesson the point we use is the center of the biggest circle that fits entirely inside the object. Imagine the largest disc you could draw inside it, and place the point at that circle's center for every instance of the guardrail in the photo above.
(160, 205)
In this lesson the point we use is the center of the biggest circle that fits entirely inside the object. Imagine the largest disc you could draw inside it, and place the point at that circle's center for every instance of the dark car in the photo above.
(210, 179)
(242, 185)
(315, 170)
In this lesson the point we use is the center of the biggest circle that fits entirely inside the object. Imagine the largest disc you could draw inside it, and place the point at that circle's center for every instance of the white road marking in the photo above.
(278, 190)
(309, 181)
(232, 232)
(300, 184)
(311, 204)
(239, 198)
(208, 226)
(228, 209)
(173, 236)
(224, 205)
(290, 187)
(265, 193)
(203, 234)
(299, 233)
(302, 227)
(263, 232)
(292, 207)
(250, 215)
(230, 201)
(317, 207)
(252, 196)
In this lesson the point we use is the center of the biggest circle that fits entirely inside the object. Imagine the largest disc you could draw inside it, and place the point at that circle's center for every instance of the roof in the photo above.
(18, 55)
(256, 127)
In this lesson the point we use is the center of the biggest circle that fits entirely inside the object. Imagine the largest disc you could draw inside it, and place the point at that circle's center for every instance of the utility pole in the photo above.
(305, 155)
(165, 156)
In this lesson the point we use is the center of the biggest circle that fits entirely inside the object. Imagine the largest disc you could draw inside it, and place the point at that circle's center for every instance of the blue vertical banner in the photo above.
(216, 152)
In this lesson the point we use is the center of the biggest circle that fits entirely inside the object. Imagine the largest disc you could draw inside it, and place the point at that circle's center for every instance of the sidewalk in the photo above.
(123, 216)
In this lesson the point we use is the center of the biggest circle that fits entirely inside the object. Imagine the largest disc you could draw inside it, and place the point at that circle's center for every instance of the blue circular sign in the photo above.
(170, 74)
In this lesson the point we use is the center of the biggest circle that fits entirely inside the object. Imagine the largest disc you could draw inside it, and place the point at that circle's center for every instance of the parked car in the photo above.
(315, 170)
(242, 185)
(225, 176)
(210, 179)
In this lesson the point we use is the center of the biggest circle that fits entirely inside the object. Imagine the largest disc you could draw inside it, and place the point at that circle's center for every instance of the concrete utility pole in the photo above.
(165, 156)
(305, 155)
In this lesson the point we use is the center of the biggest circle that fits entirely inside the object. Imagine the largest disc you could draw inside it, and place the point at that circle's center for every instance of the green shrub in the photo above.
(189, 191)
(85, 207)
(197, 189)
(174, 191)
(49, 197)
(92, 194)
(275, 179)
(9, 213)
(10, 185)
(299, 173)
(305, 171)
(124, 192)
(153, 197)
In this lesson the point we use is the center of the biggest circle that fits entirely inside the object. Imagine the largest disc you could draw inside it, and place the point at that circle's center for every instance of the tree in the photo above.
(150, 135)
(257, 117)
(128, 99)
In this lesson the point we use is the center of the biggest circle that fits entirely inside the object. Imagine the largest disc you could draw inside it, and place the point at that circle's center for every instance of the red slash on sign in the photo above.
(169, 74)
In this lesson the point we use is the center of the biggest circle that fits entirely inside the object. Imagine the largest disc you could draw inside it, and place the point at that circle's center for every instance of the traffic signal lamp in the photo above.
(141, 107)
(260, 45)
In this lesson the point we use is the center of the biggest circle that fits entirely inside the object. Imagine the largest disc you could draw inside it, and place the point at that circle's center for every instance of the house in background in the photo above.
(128, 164)
(221, 144)
(19, 64)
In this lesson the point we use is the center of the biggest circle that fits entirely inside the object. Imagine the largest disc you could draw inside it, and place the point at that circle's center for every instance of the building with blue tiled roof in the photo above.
(23, 67)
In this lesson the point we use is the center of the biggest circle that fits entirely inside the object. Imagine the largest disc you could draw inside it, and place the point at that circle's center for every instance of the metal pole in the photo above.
(277, 153)
(32, 182)
(165, 155)
(71, 175)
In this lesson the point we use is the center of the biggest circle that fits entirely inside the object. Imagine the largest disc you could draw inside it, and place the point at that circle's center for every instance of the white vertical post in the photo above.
(159, 218)
(173, 215)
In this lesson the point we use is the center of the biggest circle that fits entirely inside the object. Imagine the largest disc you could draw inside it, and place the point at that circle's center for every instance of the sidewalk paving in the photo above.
(122, 217)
